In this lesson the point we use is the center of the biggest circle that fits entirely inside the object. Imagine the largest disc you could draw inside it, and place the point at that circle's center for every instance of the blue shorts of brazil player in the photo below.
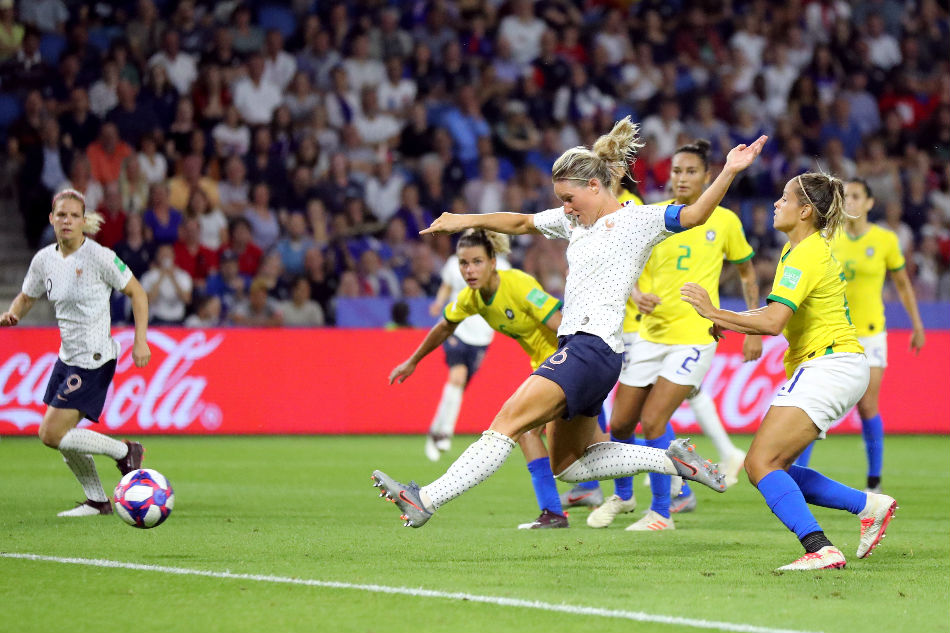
(586, 369)
(459, 353)
(81, 389)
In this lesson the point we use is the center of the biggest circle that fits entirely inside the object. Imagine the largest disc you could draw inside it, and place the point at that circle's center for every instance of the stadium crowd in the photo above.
(255, 161)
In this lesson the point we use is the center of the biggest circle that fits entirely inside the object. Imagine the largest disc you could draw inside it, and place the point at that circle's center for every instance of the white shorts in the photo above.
(875, 348)
(644, 362)
(826, 387)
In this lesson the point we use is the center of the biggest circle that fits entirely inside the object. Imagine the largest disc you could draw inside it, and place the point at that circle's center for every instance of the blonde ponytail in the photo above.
(92, 222)
(608, 160)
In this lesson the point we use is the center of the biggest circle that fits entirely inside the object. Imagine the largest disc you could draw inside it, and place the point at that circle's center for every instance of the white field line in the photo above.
(637, 616)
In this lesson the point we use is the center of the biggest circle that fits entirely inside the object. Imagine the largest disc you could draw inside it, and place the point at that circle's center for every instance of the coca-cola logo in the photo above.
(164, 397)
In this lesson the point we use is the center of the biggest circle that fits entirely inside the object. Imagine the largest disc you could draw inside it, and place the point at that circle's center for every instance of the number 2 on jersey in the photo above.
(679, 260)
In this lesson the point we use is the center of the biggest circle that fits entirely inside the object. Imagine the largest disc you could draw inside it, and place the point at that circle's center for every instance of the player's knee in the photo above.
(49, 436)
(867, 410)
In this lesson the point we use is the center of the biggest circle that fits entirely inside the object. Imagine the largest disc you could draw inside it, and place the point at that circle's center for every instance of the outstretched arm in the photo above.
(19, 308)
(436, 336)
(510, 223)
(769, 320)
(738, 159)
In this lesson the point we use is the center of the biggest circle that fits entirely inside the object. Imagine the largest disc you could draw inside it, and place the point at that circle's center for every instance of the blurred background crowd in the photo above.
(257, 161)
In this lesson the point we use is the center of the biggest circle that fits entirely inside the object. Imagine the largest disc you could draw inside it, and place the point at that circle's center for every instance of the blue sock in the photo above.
(786, 501)
(602, 420)
(588, 485)
(544, 487)
(873, 431)
(660, 483)
(623, 486)
(685, 491)
(805, 457)
(819, 490)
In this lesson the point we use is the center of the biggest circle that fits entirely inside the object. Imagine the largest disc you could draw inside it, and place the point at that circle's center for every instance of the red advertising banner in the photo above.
(244, 381)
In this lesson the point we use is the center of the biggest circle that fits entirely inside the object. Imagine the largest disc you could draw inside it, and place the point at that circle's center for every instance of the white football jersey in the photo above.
(474, 330)
(79, 286)
(604, 260)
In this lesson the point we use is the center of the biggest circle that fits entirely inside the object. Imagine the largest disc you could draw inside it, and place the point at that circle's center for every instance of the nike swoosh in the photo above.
(692, 468)
(402, 495)
(572, 499)
(546, 367)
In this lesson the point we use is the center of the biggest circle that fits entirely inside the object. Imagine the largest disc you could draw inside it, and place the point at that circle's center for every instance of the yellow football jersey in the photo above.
(519, 309)
(809, 280)
(694, 255)
(866, 260)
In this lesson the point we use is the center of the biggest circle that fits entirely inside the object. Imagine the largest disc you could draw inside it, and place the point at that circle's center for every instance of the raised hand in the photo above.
(741, 156)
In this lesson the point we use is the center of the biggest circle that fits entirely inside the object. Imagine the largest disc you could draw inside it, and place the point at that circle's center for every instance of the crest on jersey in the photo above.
(78, 273)
(870, 251)
(509, 313)
(710, 235)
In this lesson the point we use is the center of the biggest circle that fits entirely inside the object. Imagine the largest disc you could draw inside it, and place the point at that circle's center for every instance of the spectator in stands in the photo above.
(180, 133)
(42, 174)
(210, 96)
(375, 127)
(134, 250)
(161, 219)
(107, 153)
(486, 193)
(248, 39)
(258, 310)
(319, 58)
(112, 230)
(159, 95)
(190, 178)
(213, 225)
(422, 268)
(229, 285)
(234, 191)
(168, 287)
(881, 174)
(78, 125)
(262, 163)
(523, 30)
(465, 122)
(383, 190)
(279, 65)
(323, 285)
(261, 218)
(397, 92)
(231, 136)
(192, 256)
(413, 214)
(300, 310)
(144, 31)
(133, 119)
(47, 16)
(271, 272)
(26, 69)
(416, 140)
(11, 31)
(133, 186)
(255, 97)
(293, 248)
(103, 95)
(579, 98)
(208, 314)
(301, 99)
(240, 243)
(152, 163)
(389, 41)
(376, 279)
(885, 52)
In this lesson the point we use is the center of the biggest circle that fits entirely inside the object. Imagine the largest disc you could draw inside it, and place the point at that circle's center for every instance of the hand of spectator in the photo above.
(742, 155)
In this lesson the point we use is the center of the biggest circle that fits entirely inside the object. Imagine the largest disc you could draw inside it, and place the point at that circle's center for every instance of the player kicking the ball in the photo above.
(609, 244)
(78, 276)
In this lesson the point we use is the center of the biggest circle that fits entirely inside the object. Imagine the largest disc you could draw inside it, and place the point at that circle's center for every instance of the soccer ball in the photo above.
(144, 498)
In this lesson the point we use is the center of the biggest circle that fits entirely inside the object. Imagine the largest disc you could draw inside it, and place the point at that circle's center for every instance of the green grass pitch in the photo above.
(304, 508)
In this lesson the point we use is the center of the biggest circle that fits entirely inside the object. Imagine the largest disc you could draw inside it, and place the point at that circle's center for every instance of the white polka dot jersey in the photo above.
(79, 286)
(604, 261)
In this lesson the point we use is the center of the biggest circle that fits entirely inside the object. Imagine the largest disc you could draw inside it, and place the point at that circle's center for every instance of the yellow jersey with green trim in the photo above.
(866, 260)
(809, 280)
(519, 309)
(632, 316)
(694, 255)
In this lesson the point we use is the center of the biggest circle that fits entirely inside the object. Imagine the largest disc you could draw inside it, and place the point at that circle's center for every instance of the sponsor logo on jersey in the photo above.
(537, 297)
(119, 264)
(790, 277)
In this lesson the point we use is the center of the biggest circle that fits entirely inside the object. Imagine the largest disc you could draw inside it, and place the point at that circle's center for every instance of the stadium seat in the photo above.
(277, 17)
(52, 46)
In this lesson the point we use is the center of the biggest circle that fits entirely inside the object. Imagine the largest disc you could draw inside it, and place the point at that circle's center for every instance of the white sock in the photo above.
(609, 460)
(84, 468)
(475, 465)
(708, 419)
(86, 441)
(447, 413)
